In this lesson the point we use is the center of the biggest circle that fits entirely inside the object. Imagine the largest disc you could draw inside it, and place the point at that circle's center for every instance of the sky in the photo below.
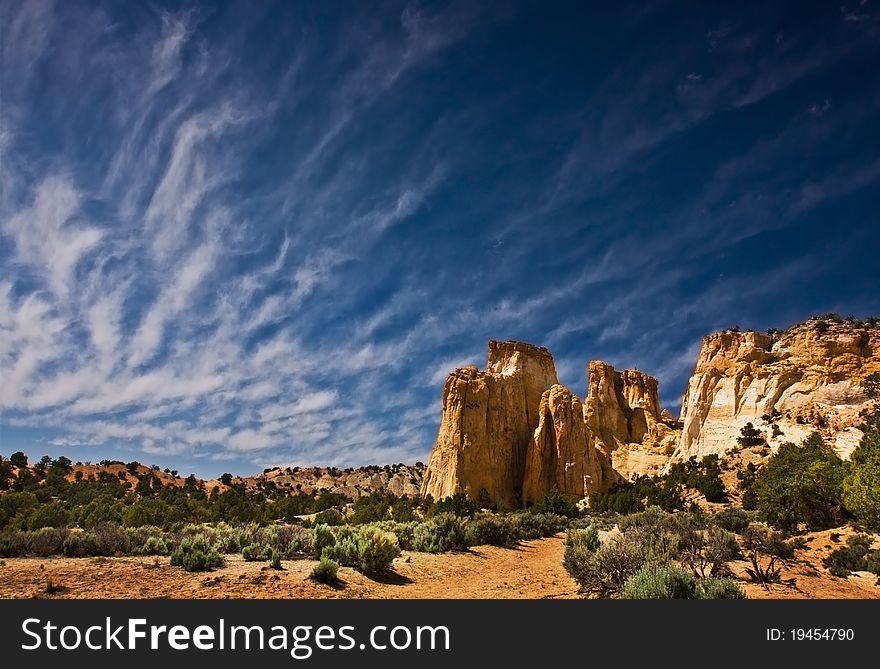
(240, 235)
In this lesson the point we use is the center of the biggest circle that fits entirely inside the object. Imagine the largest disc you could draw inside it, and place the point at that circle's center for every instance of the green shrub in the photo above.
(325, 571)
(275, 560)
(255, 553)
(849, 558)
(706, 553)
(537, 525)
(604, 571)
(376, 550)
(402, 530)
(666, 581)
(14, 544)
(196, 555)
(489, 529)
(442, 533)
(330, 517)
(733, 519)
(861, 485)
(80, 544)
(557, 503)
(719, 588)
(344, 549)
(322, 536)
(580, 544)
(48, 541)
(154, 546)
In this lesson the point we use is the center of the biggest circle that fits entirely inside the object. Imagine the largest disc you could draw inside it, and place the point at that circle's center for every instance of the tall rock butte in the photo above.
(804, 379)
(487, 423)
(514, 432)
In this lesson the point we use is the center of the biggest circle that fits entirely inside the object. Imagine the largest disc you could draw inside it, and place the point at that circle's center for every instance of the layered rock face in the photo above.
(561, 454)
(487, 423)
(622, 413)
(804, 379)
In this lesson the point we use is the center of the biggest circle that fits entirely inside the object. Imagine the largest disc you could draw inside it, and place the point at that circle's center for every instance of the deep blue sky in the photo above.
(240, 235)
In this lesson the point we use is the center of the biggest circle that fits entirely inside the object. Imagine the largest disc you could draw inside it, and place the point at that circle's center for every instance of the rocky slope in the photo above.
(804, 379)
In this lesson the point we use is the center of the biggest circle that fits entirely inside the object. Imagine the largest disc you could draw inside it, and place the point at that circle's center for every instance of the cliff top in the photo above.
(521, 346)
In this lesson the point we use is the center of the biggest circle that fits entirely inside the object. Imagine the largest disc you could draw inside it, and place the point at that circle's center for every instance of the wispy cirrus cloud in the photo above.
(232, 239)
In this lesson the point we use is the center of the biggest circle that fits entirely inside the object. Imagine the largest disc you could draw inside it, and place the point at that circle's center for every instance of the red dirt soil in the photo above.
(531, 571)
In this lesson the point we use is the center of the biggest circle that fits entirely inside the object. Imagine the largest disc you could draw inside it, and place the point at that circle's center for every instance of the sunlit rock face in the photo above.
(622, 413)
(487, 424)
(561, 454)
(511, 433)
(804, 379)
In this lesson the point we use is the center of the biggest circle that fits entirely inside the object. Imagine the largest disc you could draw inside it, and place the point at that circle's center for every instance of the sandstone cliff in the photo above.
(487, 423)
(561, 454)
(622, 413)
(804, 379)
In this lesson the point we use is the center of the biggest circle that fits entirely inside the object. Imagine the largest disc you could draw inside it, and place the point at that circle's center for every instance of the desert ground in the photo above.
(533, 570)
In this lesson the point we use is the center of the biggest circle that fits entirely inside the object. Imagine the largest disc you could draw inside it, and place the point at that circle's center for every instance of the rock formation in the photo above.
(487, 423)
(804, 379)
(515, 433)
(561, 454)
(622, 413)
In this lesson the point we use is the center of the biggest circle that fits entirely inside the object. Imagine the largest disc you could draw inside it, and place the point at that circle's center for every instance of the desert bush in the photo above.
(402, 530)
(322, 536)
(48, 541)
(300, 542)
(376, 550)
(762, 543)
(852, 557)
(557, 503)
(110, 539)
(706, 553)
(604, 571)
(344, 548)
(329, 517)
(277, 537)
(872, 562)
(580, 544)
(490, 529)
(275, 560)
(719, 588)
(154, 545)
(666, 581)
(196, 555)
(537, 525)
(442, 533)
(325, 571)
(80, 544)
(733, 519)
(256, 553)
(14, 544)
